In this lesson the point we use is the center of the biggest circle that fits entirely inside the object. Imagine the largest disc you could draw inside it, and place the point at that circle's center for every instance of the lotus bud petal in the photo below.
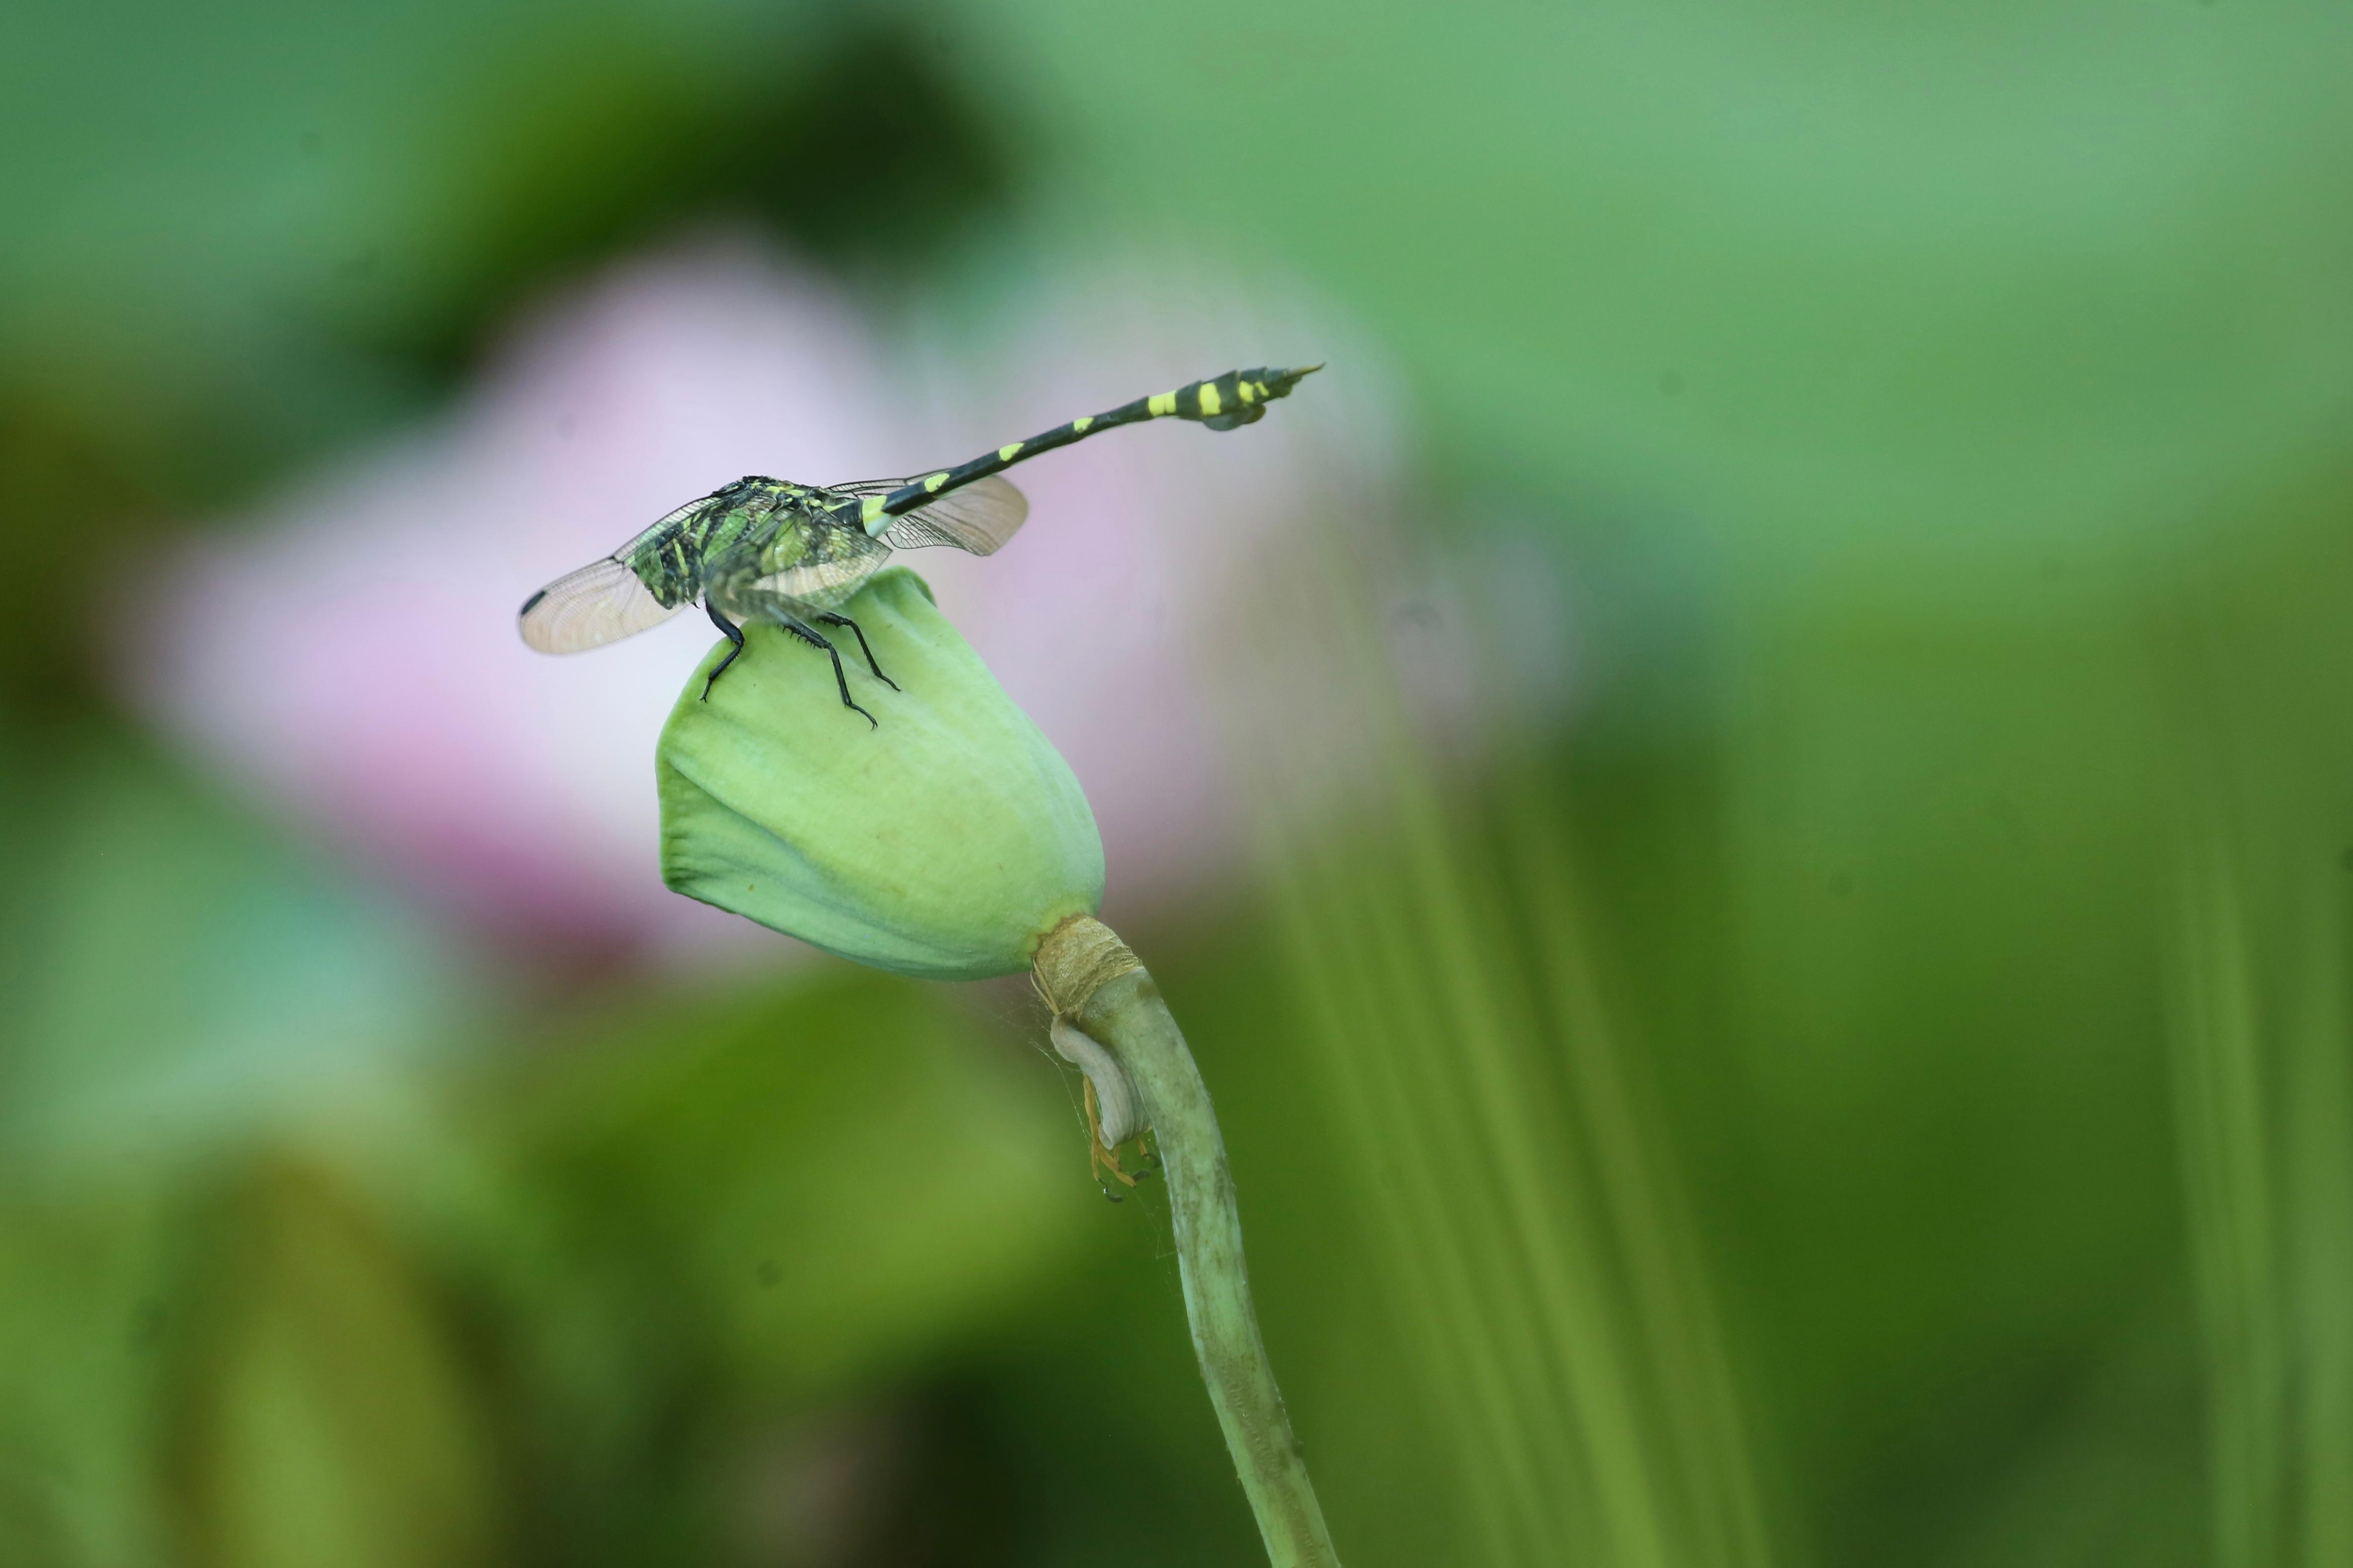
(944, 842)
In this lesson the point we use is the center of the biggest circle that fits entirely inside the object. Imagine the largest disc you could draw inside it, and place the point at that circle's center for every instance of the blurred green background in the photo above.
(1864, 1082)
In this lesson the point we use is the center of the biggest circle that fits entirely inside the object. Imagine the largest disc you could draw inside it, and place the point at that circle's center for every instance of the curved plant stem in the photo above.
(1092, 979)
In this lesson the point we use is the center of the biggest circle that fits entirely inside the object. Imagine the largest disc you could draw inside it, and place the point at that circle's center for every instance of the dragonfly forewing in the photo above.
(639, 586)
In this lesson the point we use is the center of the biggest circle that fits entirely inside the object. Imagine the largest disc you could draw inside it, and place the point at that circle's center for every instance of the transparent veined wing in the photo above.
(601, 603)
(833, 561)
(978, 517)
(604, 601)
(821, 582)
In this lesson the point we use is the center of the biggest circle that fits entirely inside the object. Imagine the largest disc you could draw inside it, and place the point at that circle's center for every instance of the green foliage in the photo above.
(695, 1228)
(89, 1317)
(1905, 300)
(2263, 1080)
(293, 1281)
(180, 992)
(325, 1412)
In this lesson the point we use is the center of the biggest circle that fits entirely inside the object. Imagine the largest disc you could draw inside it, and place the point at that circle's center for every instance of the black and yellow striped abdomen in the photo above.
(1237, 398)
(1227, 402)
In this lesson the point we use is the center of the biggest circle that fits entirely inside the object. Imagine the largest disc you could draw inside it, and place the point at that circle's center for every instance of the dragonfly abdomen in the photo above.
(1222, 402)
(1227, 402)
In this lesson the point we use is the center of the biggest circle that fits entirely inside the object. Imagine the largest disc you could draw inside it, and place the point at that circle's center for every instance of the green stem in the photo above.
(1094, 981)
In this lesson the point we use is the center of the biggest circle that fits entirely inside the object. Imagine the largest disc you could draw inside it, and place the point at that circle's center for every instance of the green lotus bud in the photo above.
(945, 842)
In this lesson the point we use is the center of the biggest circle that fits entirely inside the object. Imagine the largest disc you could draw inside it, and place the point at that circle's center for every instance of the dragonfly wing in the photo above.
(819, 583)
(978, 519)
(811, 565)
(601, 603)
(605, 600)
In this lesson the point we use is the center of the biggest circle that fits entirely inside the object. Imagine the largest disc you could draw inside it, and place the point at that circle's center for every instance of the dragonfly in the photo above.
(766, 550)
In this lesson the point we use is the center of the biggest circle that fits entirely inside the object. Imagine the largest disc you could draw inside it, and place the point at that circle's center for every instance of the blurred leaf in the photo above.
(329, 1420)
(292, 224)
(172, 984)
(90, 1323)
(177, 979)
(1885, 301)
(841, 1172)
(2256, 652)
(2109, 1475)
(701, 1215)
(1519, 1204)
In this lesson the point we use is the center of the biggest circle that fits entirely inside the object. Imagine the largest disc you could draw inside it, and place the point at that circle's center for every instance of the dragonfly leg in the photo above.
(831, 619)
(735, 635)
(810, 635)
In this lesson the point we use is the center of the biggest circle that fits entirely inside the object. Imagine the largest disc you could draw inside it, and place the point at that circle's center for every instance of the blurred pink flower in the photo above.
(352, 655)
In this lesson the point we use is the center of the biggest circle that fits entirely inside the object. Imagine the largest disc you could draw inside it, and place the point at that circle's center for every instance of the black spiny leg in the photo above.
(808, 635)
(735, 635)
(831, 619)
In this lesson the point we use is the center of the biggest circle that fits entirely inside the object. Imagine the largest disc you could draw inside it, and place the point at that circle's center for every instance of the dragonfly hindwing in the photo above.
(978, 517)
(813, 561)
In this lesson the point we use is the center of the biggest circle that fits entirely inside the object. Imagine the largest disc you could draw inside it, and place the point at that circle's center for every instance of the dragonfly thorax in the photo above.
(676, 562)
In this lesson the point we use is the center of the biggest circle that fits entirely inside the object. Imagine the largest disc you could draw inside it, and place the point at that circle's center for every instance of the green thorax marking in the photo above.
(767, 516)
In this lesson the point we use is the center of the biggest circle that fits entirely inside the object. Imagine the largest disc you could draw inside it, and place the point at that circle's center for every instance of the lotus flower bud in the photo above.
(944, 842)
